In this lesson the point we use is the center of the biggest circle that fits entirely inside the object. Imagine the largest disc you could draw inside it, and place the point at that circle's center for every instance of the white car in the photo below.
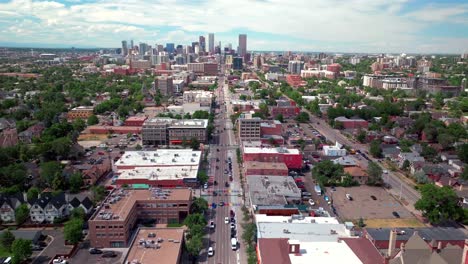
(210, 251)
(311, 202)
(212, 225)
(233, 226)
(226, 220)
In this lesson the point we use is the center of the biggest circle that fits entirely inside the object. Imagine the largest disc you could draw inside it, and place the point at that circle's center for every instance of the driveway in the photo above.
(56, 246)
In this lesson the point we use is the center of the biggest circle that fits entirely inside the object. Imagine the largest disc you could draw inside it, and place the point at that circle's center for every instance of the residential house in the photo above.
(8, 205)
(86, 204)
(358, 174)
(409, 156)
(92, 173)
(34, 131)
(8, 133)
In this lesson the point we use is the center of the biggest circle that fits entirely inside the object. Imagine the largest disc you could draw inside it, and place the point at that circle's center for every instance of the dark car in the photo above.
(95, 251)
(232, 213)
(395, 214)
(230, 178)
(373, 197)
(109, 254)
(226, 184)
(215, 183)
(221, 203)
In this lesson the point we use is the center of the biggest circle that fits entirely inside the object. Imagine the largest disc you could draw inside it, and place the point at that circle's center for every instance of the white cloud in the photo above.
(320, 24)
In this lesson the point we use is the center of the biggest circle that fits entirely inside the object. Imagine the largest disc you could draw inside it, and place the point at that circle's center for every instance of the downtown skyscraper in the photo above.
(202, 43)
(242, 49)
(124, 48)
(211, 47)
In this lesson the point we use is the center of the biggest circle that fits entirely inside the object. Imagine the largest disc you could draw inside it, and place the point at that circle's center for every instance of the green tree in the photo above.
(202, 176)
(21, 250)
(193, 246)
(49, 170)
(194, 144)
(200, 114)
(375, 174)
(199, 205)
(428, 152)
(421, 177)
(58, 183)
(327, 172)
(375, 149)
(138, 147)
(6, 239)
(78, 213)
(72, 230)
(21, 214)
(99, 193)
(464, 174)
(361, 136)
(33, 193)
(303, 117)
(439, 204)
(462, 152)
(280, 118)
(76, 182)
(195, 219)
(92, 120)
(79, 124)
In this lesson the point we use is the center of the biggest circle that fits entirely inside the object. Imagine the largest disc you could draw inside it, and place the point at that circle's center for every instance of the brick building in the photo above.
(291, 157)
(135, 121)
(265, 168)
(113, 222)
(295, 80)
(167, 131)
(248, 127)
(82, 112)
(287, 108)
(271, 128)
(164, 84)
(351, 123)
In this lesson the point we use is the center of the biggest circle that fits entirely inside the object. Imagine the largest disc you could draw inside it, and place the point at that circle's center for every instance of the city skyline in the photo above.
(330, 26)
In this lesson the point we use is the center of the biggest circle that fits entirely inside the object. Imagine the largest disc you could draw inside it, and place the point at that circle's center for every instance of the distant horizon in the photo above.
(65, 47)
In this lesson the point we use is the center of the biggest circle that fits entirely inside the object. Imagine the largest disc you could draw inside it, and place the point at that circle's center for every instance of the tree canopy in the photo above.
(439, 204)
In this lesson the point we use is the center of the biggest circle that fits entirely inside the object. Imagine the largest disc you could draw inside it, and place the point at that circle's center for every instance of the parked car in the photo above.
(233, 226)
(311, 202)
(210, 252)
(232, 213)
(373, 197)
(396, 214)
(226, 220)
(109, 254)
(212, 225)
(95, 251)
(349, 197)
(221, 204)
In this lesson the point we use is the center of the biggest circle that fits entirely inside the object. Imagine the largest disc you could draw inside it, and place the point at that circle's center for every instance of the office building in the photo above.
(291, 157)
(211, 47)
(242, 45)
(286, 108)
(143, 49)
(180, 60)
(202, 43)
(206, 69)
(248, 127)
(170, 48)
(204, 98)
(112, 224)
(131, 44)
(295, 67)
(164, 84)
(167, 131)
(237, 63)
(124, 48)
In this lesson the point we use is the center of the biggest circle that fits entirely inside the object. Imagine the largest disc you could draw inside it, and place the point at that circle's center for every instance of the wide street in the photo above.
(224, 191)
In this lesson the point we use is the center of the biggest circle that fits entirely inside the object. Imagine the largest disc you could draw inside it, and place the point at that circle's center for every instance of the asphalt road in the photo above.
(220, 237)
(404, 189)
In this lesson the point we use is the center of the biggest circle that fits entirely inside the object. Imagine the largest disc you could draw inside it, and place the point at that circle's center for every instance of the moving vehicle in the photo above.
(349, 197)
(226, 220)
(205, 186)
(233, 243)
(8, 260)
(210, 251)
(221, 204)
(327, 199)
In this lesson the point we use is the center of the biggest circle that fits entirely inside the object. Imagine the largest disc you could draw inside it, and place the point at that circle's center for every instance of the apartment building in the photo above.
(248, 127)
(82, 112)
(204, 98)
(164, 84)
(168, 131)
(112, 224)
(286, 108)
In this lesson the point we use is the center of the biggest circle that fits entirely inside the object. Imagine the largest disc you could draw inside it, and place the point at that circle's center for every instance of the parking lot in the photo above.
(83, 256)
(363, 205)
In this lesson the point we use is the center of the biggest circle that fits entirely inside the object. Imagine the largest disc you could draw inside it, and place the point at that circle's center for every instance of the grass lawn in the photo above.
(389, 223)
(4, 252)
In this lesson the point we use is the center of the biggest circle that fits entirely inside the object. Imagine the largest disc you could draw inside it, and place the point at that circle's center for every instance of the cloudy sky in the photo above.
(434, 26)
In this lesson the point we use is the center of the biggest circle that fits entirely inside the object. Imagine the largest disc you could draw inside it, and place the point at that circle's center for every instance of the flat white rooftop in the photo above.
(324, 252)
(263, 218)
(160, 173)
(250, 150)
(190, 123)
(161, 157)
(307, 232)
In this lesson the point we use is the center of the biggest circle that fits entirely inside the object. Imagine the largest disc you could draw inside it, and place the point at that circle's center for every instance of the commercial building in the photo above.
(271, 128)
(286, 108)
(135, 121)
(204, 68)
(167, 131)
(237, 63)
(211, 46)
(350, 123)
(266, 190)
(291, 157)
(161, 244)
(334, 151)
(242, 45)
(295, 80)
(248, 127)
(113, 222)
(124, 48)
(164, 84)
(204, 98)
(265, 168)
(295, 67)
(82, 112)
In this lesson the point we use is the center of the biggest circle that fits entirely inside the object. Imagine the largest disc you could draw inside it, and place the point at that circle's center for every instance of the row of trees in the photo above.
(196, 223)
(21, 249)
(327, 173)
